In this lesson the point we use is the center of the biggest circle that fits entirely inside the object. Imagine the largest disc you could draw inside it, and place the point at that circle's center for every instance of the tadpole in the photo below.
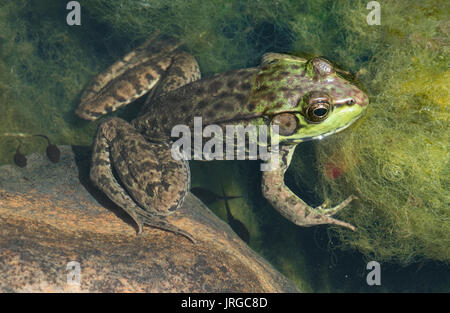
(19, 159)
(53, 153)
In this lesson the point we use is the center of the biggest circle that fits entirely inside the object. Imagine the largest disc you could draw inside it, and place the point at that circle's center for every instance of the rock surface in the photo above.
(50, 215)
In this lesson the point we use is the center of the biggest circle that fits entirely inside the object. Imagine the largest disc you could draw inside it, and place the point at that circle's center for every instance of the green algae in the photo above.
(44, 65)
(395, 159)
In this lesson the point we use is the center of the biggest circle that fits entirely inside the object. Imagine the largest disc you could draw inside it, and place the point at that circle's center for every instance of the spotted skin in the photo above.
(147, 198)
(291, 206)
(126, 80)
(284, 90)
(210, 98)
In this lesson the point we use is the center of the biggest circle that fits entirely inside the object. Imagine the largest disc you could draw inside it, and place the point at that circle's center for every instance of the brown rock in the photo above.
(50, 215)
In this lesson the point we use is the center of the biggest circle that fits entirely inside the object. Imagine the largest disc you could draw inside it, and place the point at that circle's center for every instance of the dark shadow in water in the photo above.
(82, 161)
(235, 224)
(209, 197)
(271, 37)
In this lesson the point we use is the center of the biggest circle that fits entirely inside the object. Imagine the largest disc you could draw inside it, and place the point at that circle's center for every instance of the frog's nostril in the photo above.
(351, 102)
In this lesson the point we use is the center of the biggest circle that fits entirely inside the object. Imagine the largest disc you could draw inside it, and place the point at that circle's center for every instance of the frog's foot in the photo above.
(157, 62)
(152, 184)
(145, 218)
(291, 206)
(322, 209)
(321, 212)
(297, 211)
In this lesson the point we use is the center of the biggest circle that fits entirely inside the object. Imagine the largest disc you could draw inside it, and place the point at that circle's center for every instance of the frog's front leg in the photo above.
(291, 206)
(154, 184)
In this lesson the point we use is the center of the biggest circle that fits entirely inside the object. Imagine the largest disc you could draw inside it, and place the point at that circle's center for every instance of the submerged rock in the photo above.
(51, 215)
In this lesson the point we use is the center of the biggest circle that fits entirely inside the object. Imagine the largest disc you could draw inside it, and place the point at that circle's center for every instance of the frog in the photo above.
(306, 98)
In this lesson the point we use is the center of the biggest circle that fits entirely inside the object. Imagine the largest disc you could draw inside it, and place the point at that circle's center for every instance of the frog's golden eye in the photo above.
(318, 107)
(287, 123)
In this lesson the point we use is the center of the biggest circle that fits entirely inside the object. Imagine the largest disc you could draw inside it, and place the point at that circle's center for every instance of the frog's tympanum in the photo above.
(132, 162)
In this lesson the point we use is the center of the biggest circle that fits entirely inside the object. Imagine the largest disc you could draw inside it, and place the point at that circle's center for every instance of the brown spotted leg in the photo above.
(154, 184)
(183, 70)
(133, 76)
(291, 206)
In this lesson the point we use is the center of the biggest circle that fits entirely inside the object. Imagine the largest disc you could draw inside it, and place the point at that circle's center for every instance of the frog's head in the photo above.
(320, 101)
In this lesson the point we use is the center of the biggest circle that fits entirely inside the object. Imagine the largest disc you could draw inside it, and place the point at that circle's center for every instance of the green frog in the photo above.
(132, 162)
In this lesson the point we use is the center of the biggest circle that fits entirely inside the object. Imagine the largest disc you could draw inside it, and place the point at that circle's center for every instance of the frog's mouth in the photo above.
(321, 136)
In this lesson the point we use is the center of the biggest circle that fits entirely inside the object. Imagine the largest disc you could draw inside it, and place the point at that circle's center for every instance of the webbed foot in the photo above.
(323, 211)
(144, 218)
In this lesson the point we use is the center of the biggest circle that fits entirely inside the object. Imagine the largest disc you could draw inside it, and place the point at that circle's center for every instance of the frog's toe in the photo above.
(330, 212)
(315, 217)
(341, 223)
(325, 215)
(140, 226)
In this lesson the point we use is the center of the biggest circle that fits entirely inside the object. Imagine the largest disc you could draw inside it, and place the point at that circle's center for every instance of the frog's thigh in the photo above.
(155, 184)
(155, 180)
(183, 70)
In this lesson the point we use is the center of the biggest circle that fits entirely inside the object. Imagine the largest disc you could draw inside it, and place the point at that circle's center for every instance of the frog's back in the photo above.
(219, 98)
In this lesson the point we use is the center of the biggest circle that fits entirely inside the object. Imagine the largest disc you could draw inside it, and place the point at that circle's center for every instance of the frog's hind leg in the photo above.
(151, 183)
(183, 70)
(128, 79)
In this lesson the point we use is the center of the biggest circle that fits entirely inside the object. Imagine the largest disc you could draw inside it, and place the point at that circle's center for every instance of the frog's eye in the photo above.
(318, 107)
(286, 122)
